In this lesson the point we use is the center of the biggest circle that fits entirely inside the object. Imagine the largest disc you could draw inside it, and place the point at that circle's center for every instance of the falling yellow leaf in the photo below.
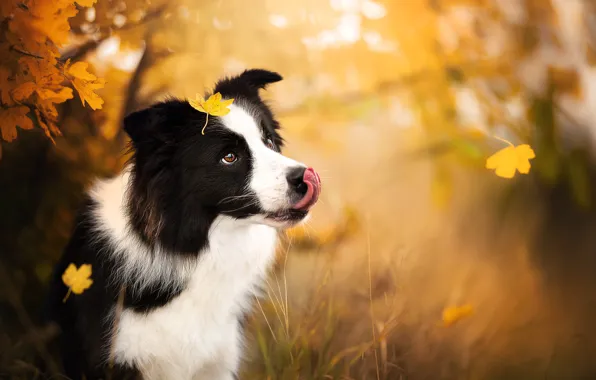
(455, 313)
(213, 106)
(77, 280)
(509, 159)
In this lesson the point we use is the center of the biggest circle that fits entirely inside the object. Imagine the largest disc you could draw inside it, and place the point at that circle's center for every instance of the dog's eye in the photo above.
(229, 158)
(270, 144)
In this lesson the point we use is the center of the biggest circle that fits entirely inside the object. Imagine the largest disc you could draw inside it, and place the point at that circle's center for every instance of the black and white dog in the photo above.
(186, 233)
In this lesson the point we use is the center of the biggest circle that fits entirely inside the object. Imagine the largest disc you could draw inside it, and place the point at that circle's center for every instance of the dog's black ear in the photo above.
(248, 83)
(139, 124)
(259, 78)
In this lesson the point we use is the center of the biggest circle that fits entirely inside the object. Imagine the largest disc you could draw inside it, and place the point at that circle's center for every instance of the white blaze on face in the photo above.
(268, 178)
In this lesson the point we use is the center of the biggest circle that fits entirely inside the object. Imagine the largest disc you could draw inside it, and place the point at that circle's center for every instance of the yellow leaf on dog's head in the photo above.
(213, 106)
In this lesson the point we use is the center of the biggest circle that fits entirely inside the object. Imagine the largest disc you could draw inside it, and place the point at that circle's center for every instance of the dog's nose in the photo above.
(295, 179)
(306, 184)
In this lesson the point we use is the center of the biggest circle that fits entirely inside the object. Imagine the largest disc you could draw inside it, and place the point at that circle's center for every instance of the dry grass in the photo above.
(363, 299)
(374, 309)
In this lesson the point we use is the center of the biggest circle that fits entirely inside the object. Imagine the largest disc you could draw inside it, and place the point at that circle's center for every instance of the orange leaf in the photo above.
(66, 66)
(33, 66)
(85, 90)
(5, 86)
(23, 91)
(57, 27)
(44, 126)
(48, 109)
(21, 25)
(12, 117)
(61, 96)
(7, 7)
(47, 9)
(86, 3)
(79, 70)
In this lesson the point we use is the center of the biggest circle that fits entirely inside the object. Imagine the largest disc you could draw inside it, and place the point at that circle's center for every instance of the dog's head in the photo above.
(182, 180)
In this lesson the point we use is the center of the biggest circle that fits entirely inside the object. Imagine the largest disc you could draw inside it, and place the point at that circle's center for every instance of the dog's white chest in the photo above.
(191, 336)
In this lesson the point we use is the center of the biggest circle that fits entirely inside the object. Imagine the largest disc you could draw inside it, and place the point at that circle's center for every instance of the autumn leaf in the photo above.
(213, 106)
(61, 96)
(85, 83)
(86, 3)
(29, 67)
(12, 117)
(23, 91)
(455, 313)
(77, 280)
(85, 90)
(47, 129)
(48, 109)
(45, 74)
(5, 86)
(79, 70)
(7, 7)
(54, 27)
(506, 161)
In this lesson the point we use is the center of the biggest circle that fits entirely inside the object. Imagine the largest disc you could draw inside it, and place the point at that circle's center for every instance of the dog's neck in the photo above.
(144, 266)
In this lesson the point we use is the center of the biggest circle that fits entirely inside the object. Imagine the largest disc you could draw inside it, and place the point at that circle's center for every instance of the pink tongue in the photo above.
(313, 184)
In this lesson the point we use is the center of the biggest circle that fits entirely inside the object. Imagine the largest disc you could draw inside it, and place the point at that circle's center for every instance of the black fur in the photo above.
(178, 187)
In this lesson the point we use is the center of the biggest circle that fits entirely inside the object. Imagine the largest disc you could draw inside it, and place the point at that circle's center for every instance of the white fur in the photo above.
(196, 335)
(268, 179)
(140, 266)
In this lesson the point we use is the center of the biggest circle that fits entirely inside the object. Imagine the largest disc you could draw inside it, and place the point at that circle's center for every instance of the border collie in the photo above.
(184, 236)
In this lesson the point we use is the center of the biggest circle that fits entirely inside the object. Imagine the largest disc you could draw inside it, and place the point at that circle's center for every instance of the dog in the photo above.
(181, 240)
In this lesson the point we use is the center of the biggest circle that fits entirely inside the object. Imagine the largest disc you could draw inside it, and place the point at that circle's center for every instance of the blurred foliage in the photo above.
(32, 73)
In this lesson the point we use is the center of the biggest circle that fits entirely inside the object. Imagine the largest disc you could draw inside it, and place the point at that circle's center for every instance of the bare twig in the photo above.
(81, 51)
(25, 53)
(132, 101)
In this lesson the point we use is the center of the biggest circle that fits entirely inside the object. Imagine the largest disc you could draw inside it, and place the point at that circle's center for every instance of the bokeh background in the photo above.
(397, 104)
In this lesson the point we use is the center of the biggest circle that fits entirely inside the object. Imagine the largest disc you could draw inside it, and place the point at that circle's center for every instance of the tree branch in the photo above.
(131, 103)
(81, 51)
